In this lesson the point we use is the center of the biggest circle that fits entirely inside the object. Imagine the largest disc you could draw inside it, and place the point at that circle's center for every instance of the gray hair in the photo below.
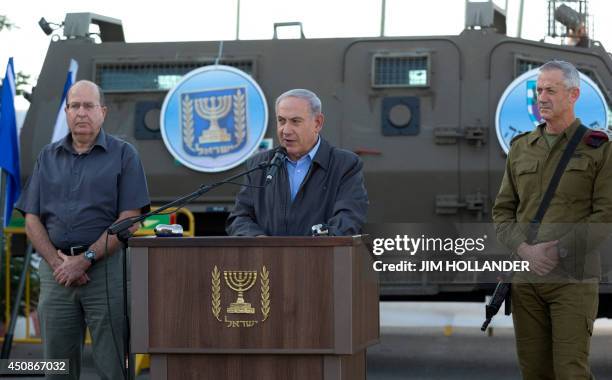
(570, 73)
(312, 99)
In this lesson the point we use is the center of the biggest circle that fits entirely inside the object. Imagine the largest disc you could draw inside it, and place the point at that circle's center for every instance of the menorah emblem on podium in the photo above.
(212, 109)
(240, 281)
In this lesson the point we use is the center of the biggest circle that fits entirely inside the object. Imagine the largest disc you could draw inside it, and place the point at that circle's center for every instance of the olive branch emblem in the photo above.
(265, 293)
(216, 293)
(239, 117)
(188, 134)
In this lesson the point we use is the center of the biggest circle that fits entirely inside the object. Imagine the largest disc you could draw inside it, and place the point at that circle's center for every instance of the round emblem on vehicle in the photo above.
(214, 118)
(517, 110)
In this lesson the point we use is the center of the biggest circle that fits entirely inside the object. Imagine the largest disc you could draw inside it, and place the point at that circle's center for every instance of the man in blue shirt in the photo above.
(297, 169)
(318, 184)
(79, 187)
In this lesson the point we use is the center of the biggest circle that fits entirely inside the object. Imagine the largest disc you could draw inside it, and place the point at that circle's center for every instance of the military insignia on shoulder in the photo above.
(597, 137)
(518, 137)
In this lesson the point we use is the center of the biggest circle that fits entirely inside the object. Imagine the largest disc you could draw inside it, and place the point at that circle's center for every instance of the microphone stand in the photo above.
(121, 229)
(126, 223)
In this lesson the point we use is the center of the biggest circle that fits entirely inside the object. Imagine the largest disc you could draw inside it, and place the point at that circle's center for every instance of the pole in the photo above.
(8, 336)
(238, 21)
(520, 20)
(3, 178)
(129, 358)
(382, 18)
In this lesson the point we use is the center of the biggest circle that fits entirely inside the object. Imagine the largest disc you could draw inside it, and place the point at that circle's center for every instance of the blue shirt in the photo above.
(297, 169)
(77, 196)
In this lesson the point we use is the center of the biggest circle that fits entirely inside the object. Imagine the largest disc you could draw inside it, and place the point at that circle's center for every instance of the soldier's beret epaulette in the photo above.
(518, 137)
(596, 138)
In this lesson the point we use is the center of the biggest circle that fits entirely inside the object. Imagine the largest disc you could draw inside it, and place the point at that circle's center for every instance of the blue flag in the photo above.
(9, 144)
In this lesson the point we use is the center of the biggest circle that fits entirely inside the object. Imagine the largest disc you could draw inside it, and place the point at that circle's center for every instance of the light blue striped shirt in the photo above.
(297, 169)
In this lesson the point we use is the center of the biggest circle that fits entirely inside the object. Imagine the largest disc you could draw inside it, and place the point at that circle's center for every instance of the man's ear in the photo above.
(319, 119)
(574, 94)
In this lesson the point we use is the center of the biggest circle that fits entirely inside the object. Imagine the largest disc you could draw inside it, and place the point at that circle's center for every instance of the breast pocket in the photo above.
(577, 181)
(527, 178)
(104, 183)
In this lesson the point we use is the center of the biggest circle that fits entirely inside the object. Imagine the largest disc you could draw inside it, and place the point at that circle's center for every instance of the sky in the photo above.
(203, 20)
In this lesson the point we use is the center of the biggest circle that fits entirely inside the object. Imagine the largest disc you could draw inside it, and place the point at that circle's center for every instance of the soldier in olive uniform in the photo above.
(555, 304)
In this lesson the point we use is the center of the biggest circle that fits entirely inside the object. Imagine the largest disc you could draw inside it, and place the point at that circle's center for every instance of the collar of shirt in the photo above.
(309, 156)
(568, 132)
(66, 142)
(297, 169)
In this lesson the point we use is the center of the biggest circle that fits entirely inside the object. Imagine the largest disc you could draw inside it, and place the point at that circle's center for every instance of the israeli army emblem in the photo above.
(518, 112)
(532, 103)
(214, 118)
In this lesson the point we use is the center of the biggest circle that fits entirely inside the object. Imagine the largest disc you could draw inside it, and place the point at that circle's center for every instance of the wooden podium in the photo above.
(254, 308)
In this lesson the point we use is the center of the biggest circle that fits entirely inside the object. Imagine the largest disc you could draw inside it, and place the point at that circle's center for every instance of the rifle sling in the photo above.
(534, 225)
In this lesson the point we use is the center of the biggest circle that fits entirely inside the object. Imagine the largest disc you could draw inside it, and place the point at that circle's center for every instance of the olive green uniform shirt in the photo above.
(581, 209)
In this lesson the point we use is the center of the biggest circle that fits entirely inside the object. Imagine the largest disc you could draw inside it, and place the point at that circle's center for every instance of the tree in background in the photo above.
(22, 80)
(5, 23)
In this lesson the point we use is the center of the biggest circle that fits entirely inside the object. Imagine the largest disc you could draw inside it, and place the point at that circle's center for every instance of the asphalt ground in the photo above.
(428, 341)
(427, 353)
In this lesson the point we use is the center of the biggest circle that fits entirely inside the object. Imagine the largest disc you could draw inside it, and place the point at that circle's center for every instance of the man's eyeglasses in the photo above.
(74, 107)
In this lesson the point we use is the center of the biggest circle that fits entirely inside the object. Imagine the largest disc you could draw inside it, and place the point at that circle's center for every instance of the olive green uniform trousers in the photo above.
(66, 312)
(553, 325)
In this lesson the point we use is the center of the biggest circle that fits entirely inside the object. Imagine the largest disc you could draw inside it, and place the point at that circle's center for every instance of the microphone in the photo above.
(275, 162)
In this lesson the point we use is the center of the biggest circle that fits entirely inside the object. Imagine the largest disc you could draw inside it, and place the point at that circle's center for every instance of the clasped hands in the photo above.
(542, 257)
(70, 270)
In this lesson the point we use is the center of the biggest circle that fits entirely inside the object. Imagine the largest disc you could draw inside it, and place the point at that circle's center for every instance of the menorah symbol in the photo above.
(240, 281)
(212, 111)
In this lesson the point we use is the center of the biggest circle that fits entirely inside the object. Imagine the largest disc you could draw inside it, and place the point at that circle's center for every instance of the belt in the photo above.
(74, 250)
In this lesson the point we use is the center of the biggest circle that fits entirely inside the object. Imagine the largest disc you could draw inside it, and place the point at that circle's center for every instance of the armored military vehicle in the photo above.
(420, 111)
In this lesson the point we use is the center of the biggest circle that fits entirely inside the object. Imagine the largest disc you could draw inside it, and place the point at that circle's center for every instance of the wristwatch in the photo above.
(90, 255)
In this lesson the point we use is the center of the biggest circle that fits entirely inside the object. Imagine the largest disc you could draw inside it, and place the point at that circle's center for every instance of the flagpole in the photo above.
(2, 202)
(3, 178)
